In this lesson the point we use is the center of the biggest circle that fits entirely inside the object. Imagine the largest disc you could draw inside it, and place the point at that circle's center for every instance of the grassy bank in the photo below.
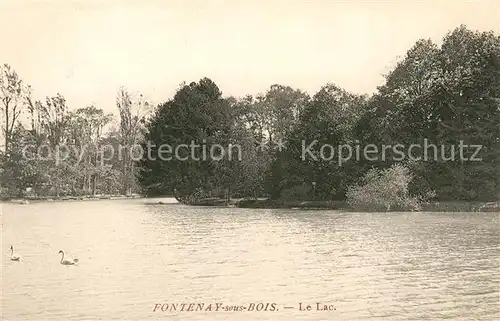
(29, 199)
(436, 206)
(457, 206)
(340, 205)
(336, 205)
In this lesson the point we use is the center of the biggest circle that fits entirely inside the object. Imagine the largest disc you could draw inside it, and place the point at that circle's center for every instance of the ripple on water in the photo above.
(396, 266)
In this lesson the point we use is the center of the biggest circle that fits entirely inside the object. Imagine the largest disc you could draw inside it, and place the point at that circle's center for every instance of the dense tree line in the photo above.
(63, 152)
(447, 95)
(444, 95)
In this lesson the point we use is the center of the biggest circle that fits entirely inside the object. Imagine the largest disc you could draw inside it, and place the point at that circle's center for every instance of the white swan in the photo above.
(67, 262)
(12, 256)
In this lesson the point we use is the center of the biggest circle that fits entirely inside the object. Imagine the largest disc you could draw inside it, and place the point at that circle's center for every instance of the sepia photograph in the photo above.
(208, 160)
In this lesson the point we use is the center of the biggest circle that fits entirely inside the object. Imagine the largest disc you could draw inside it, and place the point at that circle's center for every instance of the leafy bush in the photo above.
(383, 190)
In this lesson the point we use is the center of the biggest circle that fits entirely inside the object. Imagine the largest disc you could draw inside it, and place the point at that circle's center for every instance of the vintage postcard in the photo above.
(250, 160)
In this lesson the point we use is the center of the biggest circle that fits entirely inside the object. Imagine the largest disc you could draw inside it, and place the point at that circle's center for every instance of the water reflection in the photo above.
(134, 254)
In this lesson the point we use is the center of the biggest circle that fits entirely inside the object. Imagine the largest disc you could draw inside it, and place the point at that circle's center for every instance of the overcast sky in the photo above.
(87, 50)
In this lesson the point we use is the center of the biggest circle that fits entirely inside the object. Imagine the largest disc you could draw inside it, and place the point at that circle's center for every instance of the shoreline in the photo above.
(437, 206)
(44, 199)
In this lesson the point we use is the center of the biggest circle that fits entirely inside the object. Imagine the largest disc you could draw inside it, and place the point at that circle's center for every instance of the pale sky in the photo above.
(86, 50)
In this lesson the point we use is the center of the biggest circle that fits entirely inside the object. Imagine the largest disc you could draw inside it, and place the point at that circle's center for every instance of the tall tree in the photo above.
(283, 106)
(133, 115)
(87, 127)
(197, 114)
(54, 119)
(12, 94)
(328, 119)
(446, 95)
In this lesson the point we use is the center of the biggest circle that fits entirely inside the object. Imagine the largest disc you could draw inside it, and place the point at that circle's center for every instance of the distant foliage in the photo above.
(63, 152)
(328, 118)
(445, 94)
(301, 192)
(384, 190)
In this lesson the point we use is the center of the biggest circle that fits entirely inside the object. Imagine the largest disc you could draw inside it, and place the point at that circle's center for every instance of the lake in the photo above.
(138, 258)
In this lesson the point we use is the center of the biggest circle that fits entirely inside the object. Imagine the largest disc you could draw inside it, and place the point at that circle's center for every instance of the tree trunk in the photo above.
(125, 178)
(6, 131)
(89, 189)
(82, 186)
(94, 185)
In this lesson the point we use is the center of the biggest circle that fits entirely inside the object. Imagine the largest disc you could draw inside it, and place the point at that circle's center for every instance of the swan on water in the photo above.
(67, 262)
(12, 256)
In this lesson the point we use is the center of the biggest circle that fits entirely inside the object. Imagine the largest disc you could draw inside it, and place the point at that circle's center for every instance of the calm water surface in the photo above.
(133, 255)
